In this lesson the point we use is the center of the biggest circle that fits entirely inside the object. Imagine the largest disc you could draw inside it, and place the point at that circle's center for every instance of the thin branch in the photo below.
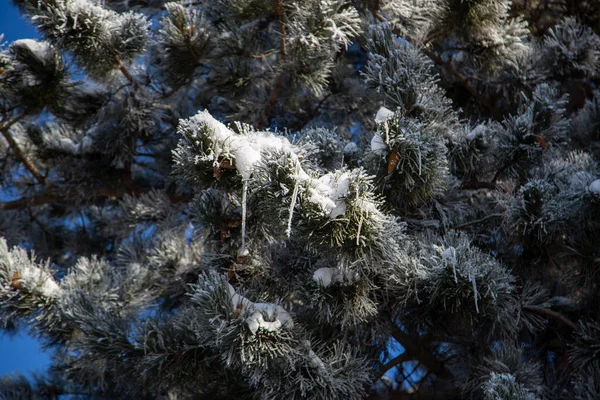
(282, 60)
(20, 153)
(552, 314)
(264, 55)
(272, 99)
(46, 198)
(104, 191)
(170, 92)
(421, 354)
(127, 74)
(477, 221)
(378, 16)
(392, 363)
(475, 184)
(13, 121)
(460, 78)
(279, 11)
(314, 112)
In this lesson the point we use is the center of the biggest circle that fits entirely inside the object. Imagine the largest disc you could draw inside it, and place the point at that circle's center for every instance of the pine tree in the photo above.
(309, 199)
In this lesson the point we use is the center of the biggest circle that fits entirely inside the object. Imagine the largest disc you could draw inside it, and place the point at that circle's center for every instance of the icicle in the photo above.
(450, 254)
(475, 293)
(245, 190)
(420, 163)
(361, 219)
(292, 205)
(454, 268)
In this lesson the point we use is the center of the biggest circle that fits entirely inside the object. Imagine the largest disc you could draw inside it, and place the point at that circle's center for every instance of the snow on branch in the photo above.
(20, 273)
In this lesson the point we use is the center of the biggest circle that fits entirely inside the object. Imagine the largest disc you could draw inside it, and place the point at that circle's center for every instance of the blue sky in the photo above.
(21, 352)
(12, 25)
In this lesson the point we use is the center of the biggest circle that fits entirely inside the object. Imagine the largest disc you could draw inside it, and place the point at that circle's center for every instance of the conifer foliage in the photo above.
(309, 199)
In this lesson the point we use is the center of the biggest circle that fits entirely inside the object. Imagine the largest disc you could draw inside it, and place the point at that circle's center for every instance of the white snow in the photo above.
(324, 276)
(316, 362)
(350, 148)
(85, 7)
(327, 276)
(329, 192)
(85, 144)
(274, 312)
(594, 187)
(42, 50)
(39, 281)
(67, 144)
(479, 130)
(238, 300)
(277, 316)
(243, 252)
(245, 159)
(377, 143)
(579, 179)
(321, 193)
(245, 150)
(257, 320)
(383, 115)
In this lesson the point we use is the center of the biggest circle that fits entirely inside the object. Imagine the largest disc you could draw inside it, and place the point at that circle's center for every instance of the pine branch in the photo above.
(20, 153)
(449, 66)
